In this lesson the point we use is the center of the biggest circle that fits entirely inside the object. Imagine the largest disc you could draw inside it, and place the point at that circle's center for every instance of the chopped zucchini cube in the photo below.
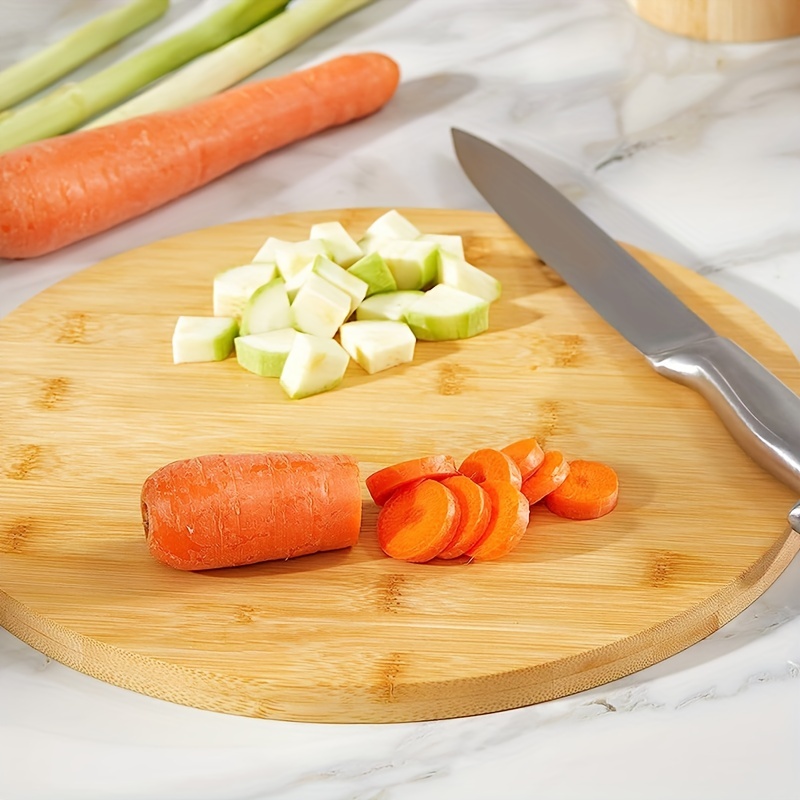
(377, 345)
(197, 339)
(445, 313)
(315, 364)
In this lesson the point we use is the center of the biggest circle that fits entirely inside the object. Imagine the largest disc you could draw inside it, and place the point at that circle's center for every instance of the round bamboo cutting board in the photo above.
(92, 404)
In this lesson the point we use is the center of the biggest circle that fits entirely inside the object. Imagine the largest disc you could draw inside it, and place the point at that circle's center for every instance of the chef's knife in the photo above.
(761, 413)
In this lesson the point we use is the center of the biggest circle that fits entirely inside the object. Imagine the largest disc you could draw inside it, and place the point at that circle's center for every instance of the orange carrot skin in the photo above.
(382, 484)
(548, 477)
(527, 454)
(590, 491)
(418, 521)
(510, 515)
(489, 464)
(475, 511)
(61, 190)
(228, 510)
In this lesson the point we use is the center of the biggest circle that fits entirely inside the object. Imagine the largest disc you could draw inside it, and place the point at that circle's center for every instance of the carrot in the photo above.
(528, 455)
(591, 490)
(475, 510)
(385, 482)
(508, 521)
(549, 476)
(418, 521)
(61, 190)
(228, 510)
(491, 465)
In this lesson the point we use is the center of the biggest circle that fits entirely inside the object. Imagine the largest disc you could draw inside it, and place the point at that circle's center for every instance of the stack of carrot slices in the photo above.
(432, 508)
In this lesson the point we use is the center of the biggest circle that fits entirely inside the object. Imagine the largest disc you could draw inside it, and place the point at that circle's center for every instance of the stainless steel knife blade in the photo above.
(641, 308)
(761, 412)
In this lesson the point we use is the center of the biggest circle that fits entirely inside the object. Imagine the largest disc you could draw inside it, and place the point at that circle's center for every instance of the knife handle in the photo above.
(761, 413)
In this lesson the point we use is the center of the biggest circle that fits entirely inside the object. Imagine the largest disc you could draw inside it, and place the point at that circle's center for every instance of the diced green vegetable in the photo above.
(267, 309)
(296, 296)
(372, 269)
(315, 364)
(370, 244)
(445, 313)
(265, 353)
(388, 305)
(319, 307)
(294, 257)
(340, 244)
(413, 264)
(235, 61)
(377, 345)
(393, 225)
(448, 242)
(296, 281)
(203, 339)
(71, 105)
(341, 279)
(266, 253)
(25, 78)
(460, 274)
(234, 287)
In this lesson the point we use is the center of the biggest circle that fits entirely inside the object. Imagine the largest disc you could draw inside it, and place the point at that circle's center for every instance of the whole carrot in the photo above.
(228, 510)
(61, 190)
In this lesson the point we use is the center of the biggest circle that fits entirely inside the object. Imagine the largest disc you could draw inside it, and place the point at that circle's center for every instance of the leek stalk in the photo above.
(237, 60)
(72, 104)
(25, 78)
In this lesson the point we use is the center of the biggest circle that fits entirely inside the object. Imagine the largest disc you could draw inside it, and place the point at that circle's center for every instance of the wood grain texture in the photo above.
(723, 20)
(92, 404)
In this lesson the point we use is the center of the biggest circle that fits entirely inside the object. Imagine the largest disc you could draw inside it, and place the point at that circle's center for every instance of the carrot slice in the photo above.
(548, 477)
(491, 465)
(228, 510)
(508, 521)
(591, 490)
(60, 190)
(385, 482)
(475, 509)
(418, 521)
(528, 455)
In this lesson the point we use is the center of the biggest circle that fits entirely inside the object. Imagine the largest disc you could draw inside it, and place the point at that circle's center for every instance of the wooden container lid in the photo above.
(723, 20)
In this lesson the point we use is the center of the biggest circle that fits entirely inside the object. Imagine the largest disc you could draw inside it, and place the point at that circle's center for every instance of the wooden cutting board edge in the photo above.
(205, 689)
(418, 703)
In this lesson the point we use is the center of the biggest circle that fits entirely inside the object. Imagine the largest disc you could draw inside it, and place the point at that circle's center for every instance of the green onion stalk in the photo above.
(236, 60)
(24, 79)
(71, 105)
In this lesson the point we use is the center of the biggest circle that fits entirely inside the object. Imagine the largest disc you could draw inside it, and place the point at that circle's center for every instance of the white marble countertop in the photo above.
(685, 148)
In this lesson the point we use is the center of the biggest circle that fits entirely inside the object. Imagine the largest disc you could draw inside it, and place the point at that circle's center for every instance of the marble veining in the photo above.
(686, 148)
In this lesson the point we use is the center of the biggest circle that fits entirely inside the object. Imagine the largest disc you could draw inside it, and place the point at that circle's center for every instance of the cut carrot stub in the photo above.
(418, 521)
(548, 477)
(385, 482)
(591, 490)
(527, 454)
(491, 465)
(475, 508)
(228, 510)
(508, 521)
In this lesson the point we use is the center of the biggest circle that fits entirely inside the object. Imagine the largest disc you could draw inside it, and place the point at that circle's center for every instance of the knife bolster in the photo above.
(760, 412)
